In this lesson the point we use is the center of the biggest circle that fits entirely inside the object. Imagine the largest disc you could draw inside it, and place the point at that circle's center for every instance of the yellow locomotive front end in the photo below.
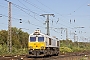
(36, 44)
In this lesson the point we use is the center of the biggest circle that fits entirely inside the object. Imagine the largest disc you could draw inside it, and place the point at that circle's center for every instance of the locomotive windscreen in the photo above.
(32, 39)
(40, 39)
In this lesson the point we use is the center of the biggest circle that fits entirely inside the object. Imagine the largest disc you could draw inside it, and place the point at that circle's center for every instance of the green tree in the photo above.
(19, 38)
(3, 37)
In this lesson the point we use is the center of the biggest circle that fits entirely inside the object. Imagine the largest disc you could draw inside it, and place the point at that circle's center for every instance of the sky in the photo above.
(69, 14)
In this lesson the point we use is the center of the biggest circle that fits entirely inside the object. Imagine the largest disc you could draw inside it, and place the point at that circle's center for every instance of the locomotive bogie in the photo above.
(36, 52)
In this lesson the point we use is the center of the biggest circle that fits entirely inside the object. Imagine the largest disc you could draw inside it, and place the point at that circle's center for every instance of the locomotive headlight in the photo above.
(42, 47)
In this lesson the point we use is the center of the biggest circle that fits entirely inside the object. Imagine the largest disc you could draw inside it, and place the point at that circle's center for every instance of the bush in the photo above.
(15, 51)
(3, 49)
(65, 50)
(75, 49)
(20, 51)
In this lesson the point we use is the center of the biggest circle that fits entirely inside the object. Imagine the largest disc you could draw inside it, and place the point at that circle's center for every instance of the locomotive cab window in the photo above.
(40, 39)
(32, 39)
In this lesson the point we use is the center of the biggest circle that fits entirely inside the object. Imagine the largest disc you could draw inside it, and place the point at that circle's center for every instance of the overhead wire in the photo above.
(79, 7)
(6, 15)
(21, 8)
(64, 25)
(32, 24)
(52, 10)
(35, 6)
(60, 15)
(30, 15)
(29, 9)
(18, 19)
(56, 12)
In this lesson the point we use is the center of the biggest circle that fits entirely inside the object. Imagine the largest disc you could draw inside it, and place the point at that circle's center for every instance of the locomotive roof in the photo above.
(42, 34)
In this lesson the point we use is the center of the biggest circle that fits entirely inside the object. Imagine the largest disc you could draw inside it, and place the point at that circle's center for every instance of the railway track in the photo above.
(72, 56)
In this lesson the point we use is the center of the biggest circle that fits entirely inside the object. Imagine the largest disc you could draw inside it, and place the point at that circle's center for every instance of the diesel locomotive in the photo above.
(40, 44)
